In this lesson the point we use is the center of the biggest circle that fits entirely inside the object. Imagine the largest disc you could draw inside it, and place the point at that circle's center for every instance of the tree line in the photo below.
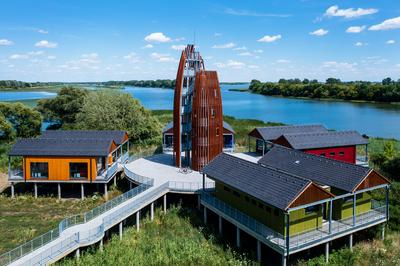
(159, 83)
(386, 91)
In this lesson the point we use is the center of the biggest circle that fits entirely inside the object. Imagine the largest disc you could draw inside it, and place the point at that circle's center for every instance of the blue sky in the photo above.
(267, 40)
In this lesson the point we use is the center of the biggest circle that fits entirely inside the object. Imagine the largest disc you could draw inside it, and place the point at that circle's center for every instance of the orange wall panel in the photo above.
(58, 167)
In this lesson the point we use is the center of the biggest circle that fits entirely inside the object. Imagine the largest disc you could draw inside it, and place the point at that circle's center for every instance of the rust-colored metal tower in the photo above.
(198, 124)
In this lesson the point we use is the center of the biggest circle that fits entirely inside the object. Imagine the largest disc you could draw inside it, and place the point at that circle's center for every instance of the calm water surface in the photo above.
(380, 120)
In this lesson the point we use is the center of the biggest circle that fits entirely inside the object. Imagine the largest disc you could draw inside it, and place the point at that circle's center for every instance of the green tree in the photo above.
(388, 150)
(63, 109)
(25, 121)
(115, 110)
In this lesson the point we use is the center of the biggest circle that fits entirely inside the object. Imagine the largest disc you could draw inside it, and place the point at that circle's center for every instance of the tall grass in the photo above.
(171, 239)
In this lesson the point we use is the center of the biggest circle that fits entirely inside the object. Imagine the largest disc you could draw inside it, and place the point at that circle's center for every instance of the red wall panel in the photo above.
(344, 154)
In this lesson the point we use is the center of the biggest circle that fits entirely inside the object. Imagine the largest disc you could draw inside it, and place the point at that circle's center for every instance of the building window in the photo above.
(212, 112)
(78, 170)
(332, 154)
(217, 131)
(276, 212)
(341, 153)
(236, 194)
(323, 154)
(227, 189)
(268, 209)
(260, 205)
(39, 170)
(215, 93)
(312, 209)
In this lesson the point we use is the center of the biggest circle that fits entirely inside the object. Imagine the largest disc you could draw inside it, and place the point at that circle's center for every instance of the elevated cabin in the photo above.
(69, 156)
(337, 145)
(265, 136)
(292, 201)
(168, 138)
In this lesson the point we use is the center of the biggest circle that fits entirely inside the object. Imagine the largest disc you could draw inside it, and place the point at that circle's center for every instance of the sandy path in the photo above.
(3, 181)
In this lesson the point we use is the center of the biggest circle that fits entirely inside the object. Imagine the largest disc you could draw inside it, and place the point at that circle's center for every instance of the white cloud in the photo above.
(268, 38)
(245, 54)
(19, 56)
(179, 47)
(334, 11)
(359, 44)
(259, 51)
(319, 32)
(46, 44)
(92, 58)
(51, 57)
(247, 13)
(242, 48)
(230, 64)
(253, 67)
(355, 29)
(5, 42)
(34, 53)
(157, 37)
(389, 24)
(162, 57)
(180, 39)
(132, 57)
(217, 34)
(283, 61)
(333, 65)
(391, 42)
(224, 46)
(43, 31)
(148, 46)
(88, 61)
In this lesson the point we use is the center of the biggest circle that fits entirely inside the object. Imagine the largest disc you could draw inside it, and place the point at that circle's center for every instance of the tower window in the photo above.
(212, 112)
(217, 131)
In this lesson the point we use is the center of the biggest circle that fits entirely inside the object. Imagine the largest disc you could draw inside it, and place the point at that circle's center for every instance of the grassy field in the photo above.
(25, 217)
(175, 238)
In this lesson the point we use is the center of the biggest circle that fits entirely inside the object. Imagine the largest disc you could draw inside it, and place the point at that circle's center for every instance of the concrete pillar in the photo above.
(59, 190)
(101, 245)
(35, 189)
(77, 254)
(115, 180)
(105, 191)
(258, 251)
(383, 232)
(351, 242)
(165, 203)
(238, 237)
(137, 220)
(326, 252)
(12, 190)
(82, 191)
(130, 185)
(205, 215)
(152, 211)
(283, 260)
(220, 224)
(120, 230)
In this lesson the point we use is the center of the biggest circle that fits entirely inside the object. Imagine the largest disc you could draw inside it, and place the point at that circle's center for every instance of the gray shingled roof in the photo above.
(324, 139)
(274, 132)
(270, 186)
(116, 135)
(61, 147)
(321, 170)
(225, 125)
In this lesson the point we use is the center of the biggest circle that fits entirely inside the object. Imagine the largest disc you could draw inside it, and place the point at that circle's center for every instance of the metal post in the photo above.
(101, 245)
(35, 189)
(283, 260)
(351, 242)
(77, 254)
(287, 234)
(248, 142)
(220, 224)
(137, 220)
(82, 191)
(12, 190)
(105, 191)
(130, 185)
(9, 167)
(115, 180)
(383, 232)
(152, 211)
(204, 182)
(120, 230)
(326, 252)
(165, 203)
(330, 215)
(205, 215)
(198, 201)
(59, 190)
(238, 237)
(354, 210)
(258, 251)
(387, 202)
(263, 148)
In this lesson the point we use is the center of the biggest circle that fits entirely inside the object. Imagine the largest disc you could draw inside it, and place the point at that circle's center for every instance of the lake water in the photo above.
(381, 120)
